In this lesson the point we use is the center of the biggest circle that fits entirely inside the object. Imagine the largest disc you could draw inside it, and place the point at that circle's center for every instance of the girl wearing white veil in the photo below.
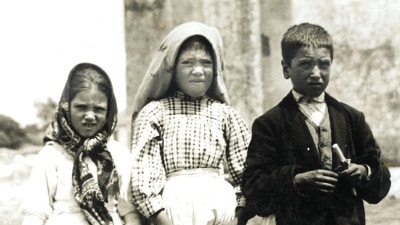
(182, 132)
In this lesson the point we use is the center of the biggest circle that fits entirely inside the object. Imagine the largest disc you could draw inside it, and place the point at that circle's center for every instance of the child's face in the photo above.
(89, 112)
(194, 71)
(309, 70)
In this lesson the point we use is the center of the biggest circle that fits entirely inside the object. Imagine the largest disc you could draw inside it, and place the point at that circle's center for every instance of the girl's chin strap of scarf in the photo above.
(90, 197)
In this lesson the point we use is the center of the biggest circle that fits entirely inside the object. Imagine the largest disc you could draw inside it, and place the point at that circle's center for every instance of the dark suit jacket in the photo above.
(282, 146)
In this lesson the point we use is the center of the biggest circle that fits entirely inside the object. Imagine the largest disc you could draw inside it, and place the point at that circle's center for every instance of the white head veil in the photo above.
(157, 80)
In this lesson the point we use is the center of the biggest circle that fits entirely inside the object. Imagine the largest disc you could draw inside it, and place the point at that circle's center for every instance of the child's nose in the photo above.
(198, 70)
(89, 116)
(316, 72)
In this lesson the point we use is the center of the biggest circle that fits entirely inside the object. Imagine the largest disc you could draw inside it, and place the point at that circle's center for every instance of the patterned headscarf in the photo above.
(90, 195)
(159, 75)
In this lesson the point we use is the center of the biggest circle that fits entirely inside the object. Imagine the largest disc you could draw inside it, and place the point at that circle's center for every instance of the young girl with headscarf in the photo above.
(184, 132)
(80, 175)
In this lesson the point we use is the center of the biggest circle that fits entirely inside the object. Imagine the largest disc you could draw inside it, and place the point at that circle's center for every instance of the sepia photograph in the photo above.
(183, 112)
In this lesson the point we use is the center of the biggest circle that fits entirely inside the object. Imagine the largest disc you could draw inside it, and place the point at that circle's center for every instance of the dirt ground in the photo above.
(15, 168)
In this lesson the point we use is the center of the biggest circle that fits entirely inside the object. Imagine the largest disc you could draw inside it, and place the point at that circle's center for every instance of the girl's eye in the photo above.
(80, 106)
(100, 109)
(207, 62)
(186, 62)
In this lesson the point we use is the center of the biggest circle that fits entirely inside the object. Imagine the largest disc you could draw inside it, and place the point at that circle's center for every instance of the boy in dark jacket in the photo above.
(293, 172)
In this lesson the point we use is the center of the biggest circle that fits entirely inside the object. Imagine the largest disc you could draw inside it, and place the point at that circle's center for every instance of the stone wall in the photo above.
(251, 31)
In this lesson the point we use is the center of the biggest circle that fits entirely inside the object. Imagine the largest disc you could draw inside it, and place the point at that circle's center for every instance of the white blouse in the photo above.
(49, 196)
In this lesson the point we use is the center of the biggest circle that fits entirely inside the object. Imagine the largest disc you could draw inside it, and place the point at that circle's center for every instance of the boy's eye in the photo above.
(305, 64)
(325, 64)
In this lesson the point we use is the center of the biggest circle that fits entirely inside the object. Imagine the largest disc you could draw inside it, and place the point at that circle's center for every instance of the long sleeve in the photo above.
(257, 179)
(148, 174)
(281, 147)
(368, 153)
(38, 202)
(123, 161)
(238, 137)
(179, 133)
(128, 211)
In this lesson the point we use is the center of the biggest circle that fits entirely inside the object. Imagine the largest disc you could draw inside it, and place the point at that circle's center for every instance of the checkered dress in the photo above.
(179, 133)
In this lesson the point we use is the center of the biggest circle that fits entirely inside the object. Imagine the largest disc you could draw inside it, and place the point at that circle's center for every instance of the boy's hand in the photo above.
(354, 174)
(316, 181)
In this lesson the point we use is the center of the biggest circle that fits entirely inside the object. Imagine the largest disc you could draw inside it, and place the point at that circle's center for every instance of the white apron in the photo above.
(199, 197)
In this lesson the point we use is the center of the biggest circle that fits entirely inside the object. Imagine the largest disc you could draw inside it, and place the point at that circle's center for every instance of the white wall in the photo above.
(41, 40)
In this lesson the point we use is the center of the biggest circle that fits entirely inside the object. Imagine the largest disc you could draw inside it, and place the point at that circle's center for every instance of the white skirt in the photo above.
(199, 197)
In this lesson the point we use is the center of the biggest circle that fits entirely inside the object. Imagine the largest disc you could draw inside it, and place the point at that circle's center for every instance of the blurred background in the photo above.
(42, 40)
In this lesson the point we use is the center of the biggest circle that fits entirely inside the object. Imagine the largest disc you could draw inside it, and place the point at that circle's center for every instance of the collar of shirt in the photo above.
(314, 109)
(181, 95)
(302, 98)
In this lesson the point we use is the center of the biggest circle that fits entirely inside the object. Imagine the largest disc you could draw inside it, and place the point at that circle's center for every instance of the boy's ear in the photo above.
(285, 69)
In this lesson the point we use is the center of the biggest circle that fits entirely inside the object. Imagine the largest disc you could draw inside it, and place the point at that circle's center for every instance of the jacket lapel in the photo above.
(301, 140)
(338, 128)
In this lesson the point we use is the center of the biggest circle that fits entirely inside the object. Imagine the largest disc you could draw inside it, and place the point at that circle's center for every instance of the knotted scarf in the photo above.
(90, 194)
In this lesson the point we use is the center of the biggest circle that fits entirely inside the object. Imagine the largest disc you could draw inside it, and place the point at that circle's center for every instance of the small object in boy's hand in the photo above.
(344, 163)
(343, 166)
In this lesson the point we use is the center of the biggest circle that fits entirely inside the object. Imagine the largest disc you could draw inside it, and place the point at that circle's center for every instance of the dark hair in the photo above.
(304, 35)
(197, 42)
(86, 75)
